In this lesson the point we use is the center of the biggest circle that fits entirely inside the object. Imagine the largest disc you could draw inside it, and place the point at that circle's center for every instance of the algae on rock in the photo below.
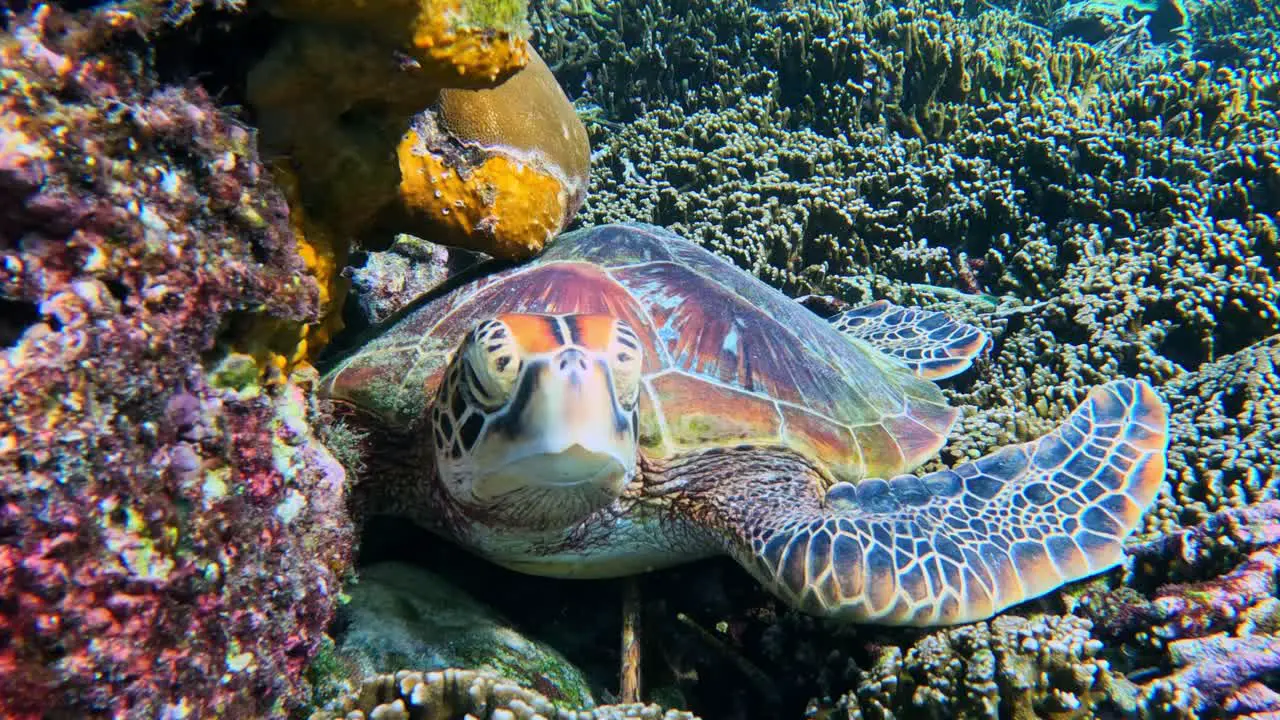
(402, 616)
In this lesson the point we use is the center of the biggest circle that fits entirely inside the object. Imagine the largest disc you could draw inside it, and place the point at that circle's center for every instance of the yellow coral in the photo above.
(503, 172)
(502, 207)
(499, 170)
(282, 346)
(460, 43)
(469, 50)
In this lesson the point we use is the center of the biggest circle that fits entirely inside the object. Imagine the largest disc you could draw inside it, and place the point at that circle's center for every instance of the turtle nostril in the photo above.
(573, 361)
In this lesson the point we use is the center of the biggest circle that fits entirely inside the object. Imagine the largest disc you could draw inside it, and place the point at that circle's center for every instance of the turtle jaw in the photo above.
(570, 483)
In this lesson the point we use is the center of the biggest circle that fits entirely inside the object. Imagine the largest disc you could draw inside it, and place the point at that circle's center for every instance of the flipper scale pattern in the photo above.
(932, 344)
(963, 544)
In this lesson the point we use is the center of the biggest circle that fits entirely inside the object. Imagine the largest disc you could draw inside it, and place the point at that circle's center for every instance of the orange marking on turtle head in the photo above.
(592, 332)
(535, 334)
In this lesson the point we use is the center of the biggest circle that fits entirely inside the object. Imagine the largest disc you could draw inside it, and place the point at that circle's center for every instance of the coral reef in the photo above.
(466, 693)
(1105, 209)
(174, 534)
(1103, 218)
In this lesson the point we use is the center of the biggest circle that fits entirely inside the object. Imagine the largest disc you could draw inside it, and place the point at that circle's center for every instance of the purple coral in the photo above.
(170, 546)
(1216, 632)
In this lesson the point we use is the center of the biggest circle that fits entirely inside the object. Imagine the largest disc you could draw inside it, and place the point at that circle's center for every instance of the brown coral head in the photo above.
(499, 170)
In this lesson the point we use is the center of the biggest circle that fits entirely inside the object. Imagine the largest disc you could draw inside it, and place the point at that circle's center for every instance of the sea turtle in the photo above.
(629, 401)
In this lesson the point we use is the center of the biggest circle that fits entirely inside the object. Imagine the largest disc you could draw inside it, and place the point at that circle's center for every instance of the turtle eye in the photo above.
(625, 357)
(494, 360)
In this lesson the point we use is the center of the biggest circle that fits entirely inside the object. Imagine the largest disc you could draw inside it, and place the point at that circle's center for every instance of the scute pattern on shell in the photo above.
(728, 360)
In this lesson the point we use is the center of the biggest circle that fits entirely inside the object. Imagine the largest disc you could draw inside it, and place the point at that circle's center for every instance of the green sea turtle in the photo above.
(629, 401)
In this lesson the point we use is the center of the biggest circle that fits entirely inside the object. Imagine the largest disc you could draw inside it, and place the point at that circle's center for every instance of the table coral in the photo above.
(175, 536)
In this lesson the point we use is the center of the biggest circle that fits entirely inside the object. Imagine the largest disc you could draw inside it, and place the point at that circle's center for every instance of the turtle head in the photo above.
(535, 422)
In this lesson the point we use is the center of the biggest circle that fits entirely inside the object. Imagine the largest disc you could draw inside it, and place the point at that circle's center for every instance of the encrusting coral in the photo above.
(174, 534)
(1211, 641)
(457, 43)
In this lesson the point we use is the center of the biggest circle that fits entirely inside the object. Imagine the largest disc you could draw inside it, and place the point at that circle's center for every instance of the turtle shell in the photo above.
(728, 360)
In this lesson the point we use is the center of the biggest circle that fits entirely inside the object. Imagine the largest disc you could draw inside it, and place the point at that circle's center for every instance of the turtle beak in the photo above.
(563, 429)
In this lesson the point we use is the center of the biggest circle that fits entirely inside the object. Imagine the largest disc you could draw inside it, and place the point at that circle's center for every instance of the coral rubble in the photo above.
(467, 693)
(389, 279)
(174, 534)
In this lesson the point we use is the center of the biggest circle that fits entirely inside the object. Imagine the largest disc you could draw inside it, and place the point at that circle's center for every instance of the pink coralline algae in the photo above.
(1220, 636)
(172, 535)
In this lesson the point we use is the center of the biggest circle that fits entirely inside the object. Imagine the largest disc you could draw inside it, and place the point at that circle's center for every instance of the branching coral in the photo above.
(1227, 420)
(1010, 667)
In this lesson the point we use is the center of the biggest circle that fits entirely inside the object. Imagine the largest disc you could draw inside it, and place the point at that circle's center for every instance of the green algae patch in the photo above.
(500, 15)
(404, 617)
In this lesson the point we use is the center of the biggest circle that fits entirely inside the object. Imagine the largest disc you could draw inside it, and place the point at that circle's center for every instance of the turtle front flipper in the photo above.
(963, 544)
(933, 344)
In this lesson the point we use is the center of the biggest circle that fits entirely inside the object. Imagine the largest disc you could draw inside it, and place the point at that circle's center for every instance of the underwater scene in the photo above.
(664, 359)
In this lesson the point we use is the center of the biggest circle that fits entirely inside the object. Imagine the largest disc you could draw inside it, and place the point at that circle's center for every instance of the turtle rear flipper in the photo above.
(963, 544)
(933, 344)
